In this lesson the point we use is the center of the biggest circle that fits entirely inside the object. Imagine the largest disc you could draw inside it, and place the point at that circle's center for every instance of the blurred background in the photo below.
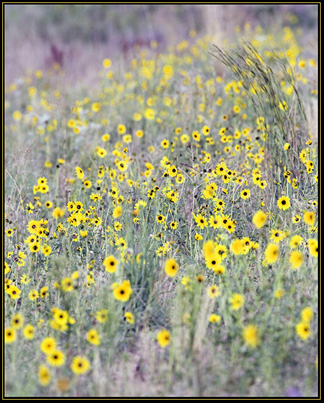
(79, 37)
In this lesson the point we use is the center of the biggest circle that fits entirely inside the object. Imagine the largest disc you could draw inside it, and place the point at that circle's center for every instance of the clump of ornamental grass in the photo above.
(272, 87)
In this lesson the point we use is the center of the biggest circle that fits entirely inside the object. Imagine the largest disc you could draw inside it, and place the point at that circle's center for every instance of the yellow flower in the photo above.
(110, 264)
(284, 203)
(48, 345)
(208, 249)
(296, 259)
(251, 335)
(34, 294)
(17, 115)
(237, 300)
(106, 63)
(213, 261)
(101, 152)
(80, 365)
(245, 194)
(214, 318)
(307, 314)
(295, 241)
(46, 250)
(163, 338)
(313, 247)
(122, 292)
(29, 332)
(271, 253)
(121, 129)
(279, 293)
(171, 267)
(56, 358)
(129, 317)
(117, 211)
(213, 291)
(44, 375)
(149, 114)
(61, 317)
(10, 335)
(67, 284)
(259, 219)
(17, 321)
(303, 330)
(105, 137)
(79, 172)
(93, 337)
(102, 316)
(309, 218)
(58, 212)
(237, 246)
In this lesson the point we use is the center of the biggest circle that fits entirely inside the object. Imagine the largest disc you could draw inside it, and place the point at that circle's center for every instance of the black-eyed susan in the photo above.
(93, 337)
(13, 291)
(201, 221)
(33, 226)
(29, 332)
(163, 338)
(303, 330)
(213, 261)
(9, 232)
(110, 263)
(33, 294)
(219, 269)
(10, 335)
(205, 130)
(171, 267)
(80, 365)
(123, 291)
(17, 321)
(245, 194)
(283, 203)
(160, 219)
(276, 235)
(56, 358)
(46, 250)
(165, 144)
(309, 218)
(215, 221)
(213, 291)
(296, 219)
(79, 172)
(48, 204)
(174, 225)
(48, 345)
(67, 284)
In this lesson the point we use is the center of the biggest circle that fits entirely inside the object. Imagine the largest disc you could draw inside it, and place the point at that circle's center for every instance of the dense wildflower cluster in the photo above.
(162, 213)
